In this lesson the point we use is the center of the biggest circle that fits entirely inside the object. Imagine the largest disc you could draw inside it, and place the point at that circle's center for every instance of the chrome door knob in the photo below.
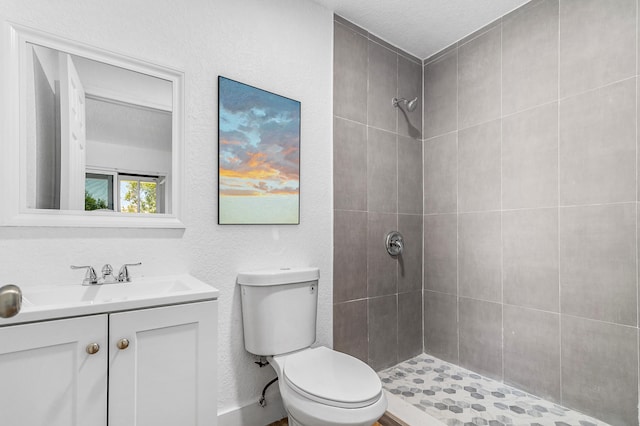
(93, 348)
(122, 344)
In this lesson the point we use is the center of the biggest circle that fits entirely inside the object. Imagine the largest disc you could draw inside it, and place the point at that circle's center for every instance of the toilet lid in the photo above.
(332, 378)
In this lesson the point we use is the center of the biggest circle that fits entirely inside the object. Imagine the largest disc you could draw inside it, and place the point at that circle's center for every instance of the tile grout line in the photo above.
(636, 209)
(558, 214)
(457, 49)
(501, 198)
(366, 245)
(422, 269)
(568, 206)
(396, 263)
(558, 100)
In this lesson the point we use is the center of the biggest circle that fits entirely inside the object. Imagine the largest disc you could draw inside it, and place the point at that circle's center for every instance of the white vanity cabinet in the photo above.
(167, 374)
(163, 374)
(48, 378)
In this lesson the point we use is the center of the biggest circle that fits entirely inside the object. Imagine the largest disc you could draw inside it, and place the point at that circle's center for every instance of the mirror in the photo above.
(98, 136)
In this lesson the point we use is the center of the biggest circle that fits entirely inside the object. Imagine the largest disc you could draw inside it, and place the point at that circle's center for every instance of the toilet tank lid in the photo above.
(268, 277)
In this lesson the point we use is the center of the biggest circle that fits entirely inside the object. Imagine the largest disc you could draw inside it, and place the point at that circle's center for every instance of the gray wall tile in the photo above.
(530, 258)
(441, 253)
(479, 251)
(339, 19)
(409, 87)
(441, 54)
(383, 331)
(530, 158)
(382, 173)
(349, 74)
(530, 57)
(383, 87)
(384, 43)
(597, 43)
(637, 121)
(441, 174)
(350, 329)
(532, 351)
(441, 95)
(476, 34)
(600, 369)
(479, 83)
(598, 146)
(598, 262)
(410, 262)
(479, 167)
(381, 268)
(349, 165)
(409, 325)
(362, 147)
(441, 325)
(409, 175)
(481, 336)
(349, 255)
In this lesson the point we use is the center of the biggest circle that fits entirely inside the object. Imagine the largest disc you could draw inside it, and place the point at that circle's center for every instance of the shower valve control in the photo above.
(394, 243)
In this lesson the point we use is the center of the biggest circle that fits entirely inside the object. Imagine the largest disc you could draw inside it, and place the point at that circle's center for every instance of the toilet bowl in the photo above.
(322, 387)
(319, 386)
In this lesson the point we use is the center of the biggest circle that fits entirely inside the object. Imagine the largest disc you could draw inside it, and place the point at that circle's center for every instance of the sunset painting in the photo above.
(258, 156)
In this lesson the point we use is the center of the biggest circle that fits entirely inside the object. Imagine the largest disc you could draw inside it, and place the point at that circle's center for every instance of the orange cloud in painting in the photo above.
(259, 155)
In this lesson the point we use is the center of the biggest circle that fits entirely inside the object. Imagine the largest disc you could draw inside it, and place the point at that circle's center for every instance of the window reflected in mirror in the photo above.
(99, 137)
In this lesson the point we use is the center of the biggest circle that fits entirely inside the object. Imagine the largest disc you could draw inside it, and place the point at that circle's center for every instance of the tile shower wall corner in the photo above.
(529, 234)
(530, 203)
(377, 188)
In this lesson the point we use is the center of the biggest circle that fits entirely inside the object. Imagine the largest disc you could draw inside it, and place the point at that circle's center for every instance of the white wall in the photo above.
(284, 46)
(127, 158)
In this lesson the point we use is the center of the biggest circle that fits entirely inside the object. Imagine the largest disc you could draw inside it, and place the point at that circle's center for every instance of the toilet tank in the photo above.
(279, 309)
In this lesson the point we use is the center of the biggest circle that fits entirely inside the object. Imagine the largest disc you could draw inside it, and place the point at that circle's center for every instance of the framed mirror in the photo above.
(93, 138)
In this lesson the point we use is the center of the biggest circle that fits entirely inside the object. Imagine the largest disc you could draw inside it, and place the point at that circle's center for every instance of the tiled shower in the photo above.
(521, 258)
(377, 189)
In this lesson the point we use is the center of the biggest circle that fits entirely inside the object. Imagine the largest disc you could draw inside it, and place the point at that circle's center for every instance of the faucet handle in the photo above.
(90, 277)
(123, 274)
(107, 275)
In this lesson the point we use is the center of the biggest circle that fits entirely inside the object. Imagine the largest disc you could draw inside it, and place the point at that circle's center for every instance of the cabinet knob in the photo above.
(123, 344)
(93, 348)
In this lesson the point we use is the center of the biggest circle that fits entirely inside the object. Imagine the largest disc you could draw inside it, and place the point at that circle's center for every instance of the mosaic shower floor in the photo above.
(460, 397)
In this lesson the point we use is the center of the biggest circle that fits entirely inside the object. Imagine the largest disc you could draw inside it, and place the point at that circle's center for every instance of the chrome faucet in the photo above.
(123, 274)
(107, 275)
(90, 277)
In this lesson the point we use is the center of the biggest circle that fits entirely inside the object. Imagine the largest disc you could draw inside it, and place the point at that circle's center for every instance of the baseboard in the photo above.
(253, 414)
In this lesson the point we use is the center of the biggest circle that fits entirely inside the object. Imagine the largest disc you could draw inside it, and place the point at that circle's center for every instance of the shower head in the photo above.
(411, 105)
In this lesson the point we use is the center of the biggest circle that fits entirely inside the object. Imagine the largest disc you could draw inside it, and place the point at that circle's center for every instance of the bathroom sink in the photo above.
(57, 301)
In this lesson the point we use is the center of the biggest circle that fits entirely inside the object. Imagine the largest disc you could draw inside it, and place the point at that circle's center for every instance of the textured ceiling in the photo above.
(421, 27)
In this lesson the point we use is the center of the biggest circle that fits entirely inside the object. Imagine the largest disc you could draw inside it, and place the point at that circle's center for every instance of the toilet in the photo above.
(319, 386)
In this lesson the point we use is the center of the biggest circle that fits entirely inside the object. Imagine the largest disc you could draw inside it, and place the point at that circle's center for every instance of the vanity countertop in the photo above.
(43, 303)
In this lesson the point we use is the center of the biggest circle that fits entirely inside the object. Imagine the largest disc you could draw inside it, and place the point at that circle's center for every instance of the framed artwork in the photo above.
(258, 156)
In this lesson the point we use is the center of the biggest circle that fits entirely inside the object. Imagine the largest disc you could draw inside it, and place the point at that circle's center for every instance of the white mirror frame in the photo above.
(13, 161)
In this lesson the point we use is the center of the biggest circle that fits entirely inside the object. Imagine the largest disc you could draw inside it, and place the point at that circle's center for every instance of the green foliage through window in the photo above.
(90, 203)
(138, 196)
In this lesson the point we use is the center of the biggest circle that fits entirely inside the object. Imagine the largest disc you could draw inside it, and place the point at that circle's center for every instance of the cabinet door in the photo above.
(167, 374)
(47, 378)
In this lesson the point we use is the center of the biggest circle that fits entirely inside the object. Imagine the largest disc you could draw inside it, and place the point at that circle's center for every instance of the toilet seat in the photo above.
(332, 378)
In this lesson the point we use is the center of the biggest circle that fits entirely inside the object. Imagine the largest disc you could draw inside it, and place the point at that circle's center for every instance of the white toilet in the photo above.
(319, 386)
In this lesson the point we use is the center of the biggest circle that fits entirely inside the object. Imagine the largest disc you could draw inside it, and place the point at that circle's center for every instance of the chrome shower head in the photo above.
(411, 105)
